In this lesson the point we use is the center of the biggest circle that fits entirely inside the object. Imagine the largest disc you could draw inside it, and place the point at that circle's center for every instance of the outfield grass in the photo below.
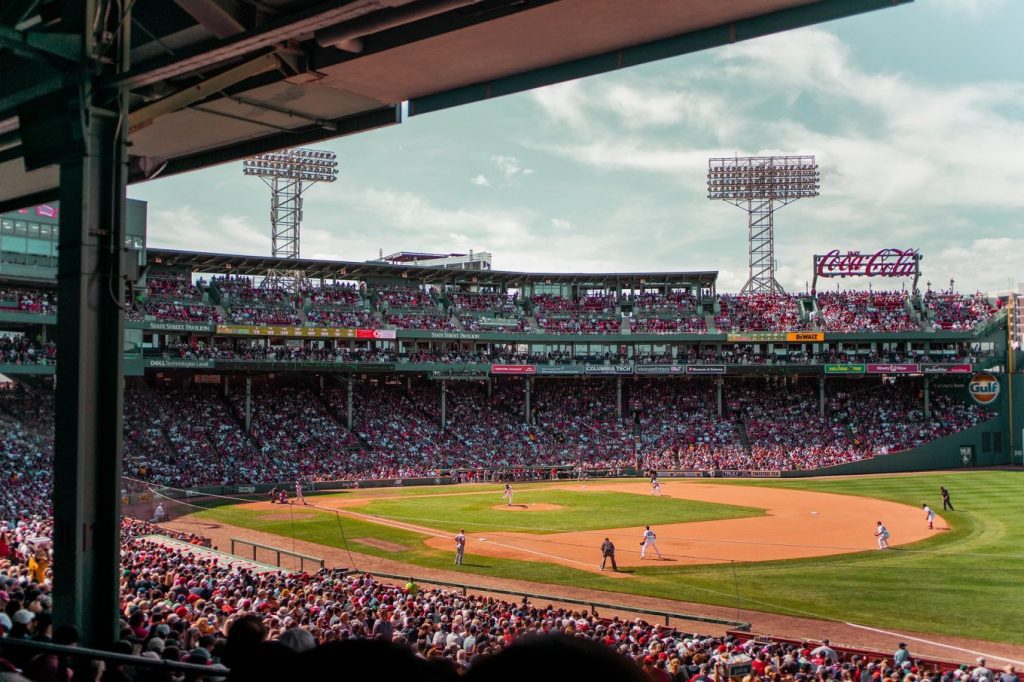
(580, 510)
(968, 581)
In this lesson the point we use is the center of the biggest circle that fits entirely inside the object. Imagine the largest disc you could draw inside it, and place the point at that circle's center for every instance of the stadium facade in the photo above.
(364, 323)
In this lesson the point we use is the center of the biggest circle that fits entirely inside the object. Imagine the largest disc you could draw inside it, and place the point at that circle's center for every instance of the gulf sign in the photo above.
(984, 388)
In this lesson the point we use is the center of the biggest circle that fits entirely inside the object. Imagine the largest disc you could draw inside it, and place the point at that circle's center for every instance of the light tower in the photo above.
(759, 185)
(288, 174)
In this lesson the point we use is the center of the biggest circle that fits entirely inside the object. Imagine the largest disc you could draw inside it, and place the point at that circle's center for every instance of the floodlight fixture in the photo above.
(288, 174)
(758, 185)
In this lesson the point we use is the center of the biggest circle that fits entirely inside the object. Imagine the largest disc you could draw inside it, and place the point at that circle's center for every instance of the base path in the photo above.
(797, 524)
(922, 644)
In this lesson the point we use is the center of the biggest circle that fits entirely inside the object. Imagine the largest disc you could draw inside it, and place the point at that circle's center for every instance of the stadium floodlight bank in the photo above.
(759, 184)
(288, 174)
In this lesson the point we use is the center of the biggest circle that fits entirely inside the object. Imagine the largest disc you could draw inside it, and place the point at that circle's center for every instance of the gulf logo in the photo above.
(984, 388)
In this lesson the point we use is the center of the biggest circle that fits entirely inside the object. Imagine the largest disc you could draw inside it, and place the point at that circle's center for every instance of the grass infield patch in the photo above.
(580, 510)
(963, 582)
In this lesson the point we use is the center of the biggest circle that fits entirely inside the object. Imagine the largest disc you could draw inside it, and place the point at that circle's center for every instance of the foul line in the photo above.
(429, 531)
(900, 635)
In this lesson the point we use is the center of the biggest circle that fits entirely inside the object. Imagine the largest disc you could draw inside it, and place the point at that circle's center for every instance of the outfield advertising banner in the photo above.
(386, 334)
(984, 388)
(556, 370)
(705, 369)
(608, 369)
(179, 363)
(898, 368)
(756, 337)
(845, 369)
(513, 369)
(660, 369)
(805, 337)
(454, 336)
(306, 332)
(947, 369)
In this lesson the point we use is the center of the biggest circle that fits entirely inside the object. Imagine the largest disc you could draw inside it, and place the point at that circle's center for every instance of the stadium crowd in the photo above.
(677, 312)
(951, 310)
(193, 437)
(186, 604)
(877, 311)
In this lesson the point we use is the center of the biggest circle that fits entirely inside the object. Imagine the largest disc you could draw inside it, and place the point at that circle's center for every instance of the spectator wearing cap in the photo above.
(980, 672)
(902, 655)
(826, 652)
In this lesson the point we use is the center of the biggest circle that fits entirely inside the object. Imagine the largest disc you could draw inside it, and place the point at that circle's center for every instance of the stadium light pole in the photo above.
(759, 185)
(288, 174)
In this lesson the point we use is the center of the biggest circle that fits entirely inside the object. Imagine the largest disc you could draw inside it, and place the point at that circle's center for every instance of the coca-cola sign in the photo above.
(883, 263)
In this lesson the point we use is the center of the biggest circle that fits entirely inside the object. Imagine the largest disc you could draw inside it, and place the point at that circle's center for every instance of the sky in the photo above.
(915, 115)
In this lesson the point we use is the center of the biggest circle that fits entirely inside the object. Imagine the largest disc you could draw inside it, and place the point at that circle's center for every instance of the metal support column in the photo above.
(227, 386)
(248, 403)
(348, 403)
(718, 386)
(927, 399)
(618, 398)
(90, 334)
(490, 387)
(821, 396)
(444, 404)
(526, 401)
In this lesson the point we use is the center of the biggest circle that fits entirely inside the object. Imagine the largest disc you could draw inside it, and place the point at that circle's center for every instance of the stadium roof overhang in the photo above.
(216, 80)
(220, 264)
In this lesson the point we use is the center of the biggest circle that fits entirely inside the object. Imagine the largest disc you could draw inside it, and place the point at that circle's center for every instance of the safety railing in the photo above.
(591, 603)
(63, 653)
(278, 553)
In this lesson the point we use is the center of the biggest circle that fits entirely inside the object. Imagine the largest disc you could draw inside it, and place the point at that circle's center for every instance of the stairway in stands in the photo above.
(742, 436)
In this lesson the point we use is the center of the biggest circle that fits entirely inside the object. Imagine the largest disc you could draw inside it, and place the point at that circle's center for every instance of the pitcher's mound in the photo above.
(539, 506)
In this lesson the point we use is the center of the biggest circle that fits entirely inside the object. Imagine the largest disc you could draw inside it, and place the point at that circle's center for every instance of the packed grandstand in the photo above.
(180, 603)
(179, 432)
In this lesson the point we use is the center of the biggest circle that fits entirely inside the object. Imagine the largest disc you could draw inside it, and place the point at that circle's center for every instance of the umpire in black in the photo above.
(608, 552)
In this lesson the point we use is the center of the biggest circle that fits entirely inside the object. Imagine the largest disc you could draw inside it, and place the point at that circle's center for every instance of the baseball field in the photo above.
(795, 547)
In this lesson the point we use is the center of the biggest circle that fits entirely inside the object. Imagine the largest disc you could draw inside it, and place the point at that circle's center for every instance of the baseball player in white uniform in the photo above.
(655, 486)
(298, 493)
(882, 533)
(929, 516)
(508, 494)
(648, 541)
(460, 547)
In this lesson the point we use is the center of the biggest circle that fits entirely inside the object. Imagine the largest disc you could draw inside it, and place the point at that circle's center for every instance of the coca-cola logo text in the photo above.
(883, 263)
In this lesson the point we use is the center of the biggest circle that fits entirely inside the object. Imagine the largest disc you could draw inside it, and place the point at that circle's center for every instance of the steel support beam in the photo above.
(248, 403)
(90, 332)
(526, 401)
(348, 403)
(618, 398)
(718, 395)
(927, 399)
(821, 396)
(444, 404)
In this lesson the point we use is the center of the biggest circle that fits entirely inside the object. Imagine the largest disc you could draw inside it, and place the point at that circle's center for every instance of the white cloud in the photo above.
(480, 181)
(510, 166)
(183, 227)
(561, 224)
(972, 8)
